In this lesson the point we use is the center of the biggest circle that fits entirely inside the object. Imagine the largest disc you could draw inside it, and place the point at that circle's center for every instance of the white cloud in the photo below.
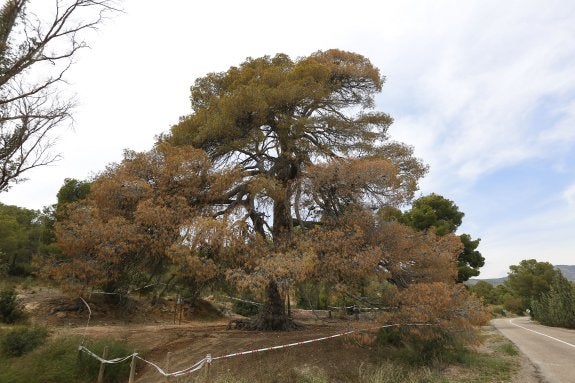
(493, 66)
(569, 195)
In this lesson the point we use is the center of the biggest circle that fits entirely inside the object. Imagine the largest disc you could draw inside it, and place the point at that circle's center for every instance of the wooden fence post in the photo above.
(103, 365)
(132, 368)
(208, 363)
(79, 359)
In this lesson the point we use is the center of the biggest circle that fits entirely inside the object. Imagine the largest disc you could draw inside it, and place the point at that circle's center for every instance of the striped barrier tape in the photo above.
(281, 346)
(88, 321)
(197, 366)
(245, 301)
(106, 361)
(312, 340)
(329, 307)
(185, 371)
(209, 359)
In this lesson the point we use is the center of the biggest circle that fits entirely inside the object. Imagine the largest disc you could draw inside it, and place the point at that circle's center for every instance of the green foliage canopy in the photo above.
(556, 307)
(434, 211)
(442, 214)
(470, 260)
(73, 190)
(275, 118)
(529, 280)
(486, 291)
(20, 231)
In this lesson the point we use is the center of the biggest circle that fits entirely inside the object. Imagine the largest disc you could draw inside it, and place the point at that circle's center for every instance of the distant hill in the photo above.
(567, 270)
(492, 281)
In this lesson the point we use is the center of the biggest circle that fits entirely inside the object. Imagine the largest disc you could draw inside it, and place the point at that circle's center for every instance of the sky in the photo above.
(484, 90)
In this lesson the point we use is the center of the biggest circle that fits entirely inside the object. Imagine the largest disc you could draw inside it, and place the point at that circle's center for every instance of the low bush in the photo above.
(389, 372)
(21, 340)
(10, 310)
(497, 311)
(245, 308)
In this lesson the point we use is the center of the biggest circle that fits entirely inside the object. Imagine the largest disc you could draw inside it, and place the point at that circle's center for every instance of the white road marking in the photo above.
(537, 332)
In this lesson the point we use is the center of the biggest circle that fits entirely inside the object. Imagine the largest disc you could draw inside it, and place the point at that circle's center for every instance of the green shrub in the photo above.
(10, 311)
(312, 295)
(389, 372)
(244, 308)
(113, 373)
(20, 270)
(509, 349)
(556, 307)
(389, 336)
(422, 348)
(498, 311)
(514, 304)
(19, 341)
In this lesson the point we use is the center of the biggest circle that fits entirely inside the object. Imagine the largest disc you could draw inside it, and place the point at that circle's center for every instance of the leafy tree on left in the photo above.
(130, 230)
(20, 232)
(28, 235)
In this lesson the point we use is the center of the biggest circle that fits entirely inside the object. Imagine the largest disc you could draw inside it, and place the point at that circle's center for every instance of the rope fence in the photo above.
(106, 361)
(195, 367)
(208, 359)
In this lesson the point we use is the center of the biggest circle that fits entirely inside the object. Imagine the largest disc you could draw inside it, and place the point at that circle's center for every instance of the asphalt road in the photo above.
(550, 349)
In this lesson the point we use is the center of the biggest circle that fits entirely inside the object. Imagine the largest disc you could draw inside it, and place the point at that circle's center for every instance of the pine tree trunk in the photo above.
(272, 316)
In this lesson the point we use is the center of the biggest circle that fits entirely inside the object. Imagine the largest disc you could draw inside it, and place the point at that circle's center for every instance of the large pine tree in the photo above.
(306, 138)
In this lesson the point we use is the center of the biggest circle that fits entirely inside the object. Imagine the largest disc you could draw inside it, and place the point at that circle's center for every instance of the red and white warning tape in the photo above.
(311, 341)
(282, 346)
(197, 366)
(209, 359)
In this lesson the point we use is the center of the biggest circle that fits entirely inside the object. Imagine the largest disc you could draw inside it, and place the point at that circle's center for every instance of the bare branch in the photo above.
(35, 55)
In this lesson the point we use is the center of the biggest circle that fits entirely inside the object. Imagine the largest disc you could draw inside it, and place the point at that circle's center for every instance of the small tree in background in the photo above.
(20, 238)
(442, 214)
(527, 282)
(487, 292)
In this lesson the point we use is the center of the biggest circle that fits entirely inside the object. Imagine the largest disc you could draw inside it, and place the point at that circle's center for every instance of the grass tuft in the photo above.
(58, 361)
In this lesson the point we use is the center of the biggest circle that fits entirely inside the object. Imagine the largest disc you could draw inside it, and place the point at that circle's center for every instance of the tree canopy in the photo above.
(443, 215)
(434, 211)
(304, 134)
(273, 180)
(20, 232)
(529, 280)
(130, 228)
(305, 138)
(557, 306)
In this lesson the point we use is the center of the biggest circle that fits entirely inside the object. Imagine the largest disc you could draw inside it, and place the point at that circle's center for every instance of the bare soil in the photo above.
(158, 333)
(154, 331)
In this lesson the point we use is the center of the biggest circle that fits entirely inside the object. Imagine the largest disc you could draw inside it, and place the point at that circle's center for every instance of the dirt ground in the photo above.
(155, 331)
(176, 342)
